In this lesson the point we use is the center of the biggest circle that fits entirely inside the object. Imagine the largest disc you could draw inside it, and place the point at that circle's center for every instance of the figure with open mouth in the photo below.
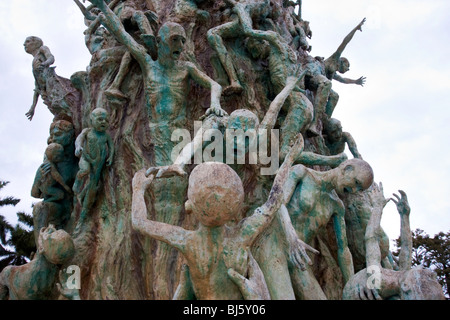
(166, 88)
(314, 202)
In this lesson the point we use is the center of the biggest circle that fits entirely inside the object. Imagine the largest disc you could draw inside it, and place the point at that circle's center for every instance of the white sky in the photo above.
(399, 119)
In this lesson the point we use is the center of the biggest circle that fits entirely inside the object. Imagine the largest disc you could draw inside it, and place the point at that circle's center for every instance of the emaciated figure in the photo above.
(95, 148)
(166, 87)
(336, 139)
(378, 283)
(313, 203)
(56, 92)
(215, 196)
(251, 9)
(322, 72)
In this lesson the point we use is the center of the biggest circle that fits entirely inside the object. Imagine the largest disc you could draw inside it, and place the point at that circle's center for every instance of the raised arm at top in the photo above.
(347, 39)
(272, 114)
(170, 234)
(114, 25)
(256, 223)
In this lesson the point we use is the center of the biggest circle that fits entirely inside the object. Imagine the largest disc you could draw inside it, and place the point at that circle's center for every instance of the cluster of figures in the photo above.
(254, 233)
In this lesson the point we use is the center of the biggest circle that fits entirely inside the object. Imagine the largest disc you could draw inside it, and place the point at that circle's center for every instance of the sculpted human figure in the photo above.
(322, 72)
(271, 253)
(62, 133)
(336, 139)
(312, 202)
(42, 60)
(251, 9)
(95, 148)
(48, 185)
(215, 197)
(166, 86)
(283, 61)
(54, 90)
(36, 280)
(358, 210)
(378, 283)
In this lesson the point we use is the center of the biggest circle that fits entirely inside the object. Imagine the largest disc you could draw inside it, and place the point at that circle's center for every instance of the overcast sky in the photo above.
(400, 119)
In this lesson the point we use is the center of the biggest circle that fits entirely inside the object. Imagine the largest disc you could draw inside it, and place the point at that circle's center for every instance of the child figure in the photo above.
(94, 147)
(215, 249)
(46, 185)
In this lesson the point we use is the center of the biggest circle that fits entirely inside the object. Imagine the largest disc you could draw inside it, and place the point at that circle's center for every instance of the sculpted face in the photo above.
(31, 44)
(243, 119)
(100, 119)
(62, 132)
(334, 130)
(171, 40)
(215, 193)
(353, 175)
(344, 65)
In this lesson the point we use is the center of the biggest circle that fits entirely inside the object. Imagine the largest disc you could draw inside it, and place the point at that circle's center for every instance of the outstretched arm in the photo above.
(172, 235)
(186, 154)
(49, 57)
(112, 22)
(360, 81)
(373, 229)
(344, 256)
(352, 145)
(405, 257)
(272, 114)
(347, 39)
(314, 159)
(30, 112)
(205, 81)
(252, 226)
(80, 140)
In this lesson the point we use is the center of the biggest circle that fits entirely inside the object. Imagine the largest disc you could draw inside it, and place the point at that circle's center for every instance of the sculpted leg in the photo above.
(297, 120)
(215, 38)
(114, 89)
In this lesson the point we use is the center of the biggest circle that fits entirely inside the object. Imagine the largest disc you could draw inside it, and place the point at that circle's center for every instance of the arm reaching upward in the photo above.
(172, 235)
(360, 81)
(405, 257)
(256, 223)
(347, 39)
(272, 114)
(112, 22)
(373, 252)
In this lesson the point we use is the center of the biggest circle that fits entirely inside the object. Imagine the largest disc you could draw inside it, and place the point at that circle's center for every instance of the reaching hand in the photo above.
(217, 110)
(376, 196)
(368, 294)
(166, 171)
(253, 288)
(402, 204)
(30, 114)
(360, 24)
(361, 81)
(71, 294)
(298, 255)
(140, 180)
